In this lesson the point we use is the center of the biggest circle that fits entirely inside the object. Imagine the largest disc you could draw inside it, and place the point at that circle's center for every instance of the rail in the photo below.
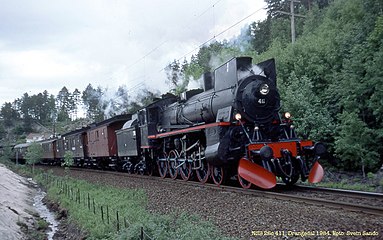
(274, 194)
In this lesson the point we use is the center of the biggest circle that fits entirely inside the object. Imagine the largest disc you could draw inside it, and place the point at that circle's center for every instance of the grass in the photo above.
(42, 224)
(131, 205)
(36, 231)
(347, 186)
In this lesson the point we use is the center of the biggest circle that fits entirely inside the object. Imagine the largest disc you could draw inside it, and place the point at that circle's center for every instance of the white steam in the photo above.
(114, 101)
(195, 84)
(255, 70)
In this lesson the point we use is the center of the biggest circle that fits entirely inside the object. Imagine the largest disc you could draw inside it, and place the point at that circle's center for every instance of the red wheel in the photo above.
(162, 165)
(217, 174)
(203, 172)
(185, 168)
(172, 163)
(244, 183)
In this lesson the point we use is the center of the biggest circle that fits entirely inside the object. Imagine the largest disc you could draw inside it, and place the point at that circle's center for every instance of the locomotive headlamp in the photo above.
(287, 115)
(238, 116)
(264, 90)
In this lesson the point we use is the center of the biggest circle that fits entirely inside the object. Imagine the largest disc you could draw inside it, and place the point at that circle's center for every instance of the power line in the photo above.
(150, 52)
(212, 38)
(212, 6)
(136, 87)
(201, 45)
(158, 46)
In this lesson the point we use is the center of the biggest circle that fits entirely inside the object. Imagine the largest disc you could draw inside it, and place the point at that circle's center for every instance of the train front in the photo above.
(272, 148)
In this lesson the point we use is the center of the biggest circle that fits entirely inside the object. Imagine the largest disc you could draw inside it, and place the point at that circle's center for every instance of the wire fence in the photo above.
(105, 213)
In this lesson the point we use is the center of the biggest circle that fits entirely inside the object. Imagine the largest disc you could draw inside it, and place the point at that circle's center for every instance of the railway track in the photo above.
(373, 199)
(348, 200)
(335, 198)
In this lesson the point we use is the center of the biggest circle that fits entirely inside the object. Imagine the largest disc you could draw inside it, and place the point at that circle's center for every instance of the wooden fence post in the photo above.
(88, 202)
(94, 207)
(107, 213)
(118, 221)
(102, 214)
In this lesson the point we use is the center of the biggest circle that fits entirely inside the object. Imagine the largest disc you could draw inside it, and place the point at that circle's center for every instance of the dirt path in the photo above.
(15, 204)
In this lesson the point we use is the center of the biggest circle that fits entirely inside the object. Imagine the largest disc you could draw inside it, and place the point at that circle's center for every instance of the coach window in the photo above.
(97, 135)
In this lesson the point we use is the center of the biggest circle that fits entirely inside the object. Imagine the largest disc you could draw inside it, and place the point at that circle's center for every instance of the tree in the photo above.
(332, 77)
(64, 104)
(176, 77)
(34, 155)
(275, 6)
(207, 59)
(3, 133)
(25, 107)
(9, 114)
(144, 98)
(48, 107)
(311, 118)
(193, 69)
(40, 107)
(260, 33)
(68, 161)
(76, 100)
(91, 98)
(122, 100)
(354, 144)
(7, 152)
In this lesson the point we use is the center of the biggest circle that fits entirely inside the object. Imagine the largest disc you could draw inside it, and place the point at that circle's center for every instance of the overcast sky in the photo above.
(48, 44)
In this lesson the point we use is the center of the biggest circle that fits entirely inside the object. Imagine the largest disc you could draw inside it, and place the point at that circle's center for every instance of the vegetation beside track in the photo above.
(94, 208)
(337, 179)
(37, 229)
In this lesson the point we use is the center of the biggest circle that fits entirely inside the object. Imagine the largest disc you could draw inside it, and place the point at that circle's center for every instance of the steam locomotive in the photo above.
(231, 128)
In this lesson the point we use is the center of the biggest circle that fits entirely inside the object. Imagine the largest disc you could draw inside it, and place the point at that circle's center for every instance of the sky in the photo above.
(46, 45)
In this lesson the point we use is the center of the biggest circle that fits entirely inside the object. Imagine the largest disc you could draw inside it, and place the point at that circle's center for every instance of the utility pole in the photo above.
(292, 20)
(292, 16)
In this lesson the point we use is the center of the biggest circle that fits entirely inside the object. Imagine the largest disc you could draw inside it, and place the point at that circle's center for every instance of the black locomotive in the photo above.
(230, 128)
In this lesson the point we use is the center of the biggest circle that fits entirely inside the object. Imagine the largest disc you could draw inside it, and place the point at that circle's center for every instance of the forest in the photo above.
(330, 79)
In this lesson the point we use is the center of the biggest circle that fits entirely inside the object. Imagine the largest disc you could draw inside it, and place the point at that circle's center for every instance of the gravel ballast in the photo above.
(245, 216)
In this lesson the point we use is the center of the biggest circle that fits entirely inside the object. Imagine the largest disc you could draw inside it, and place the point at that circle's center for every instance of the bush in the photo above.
(88, 205)
(68, 160)
(34, 155)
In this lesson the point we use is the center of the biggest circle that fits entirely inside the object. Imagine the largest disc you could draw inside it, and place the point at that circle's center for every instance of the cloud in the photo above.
(45, 45)
(43, 64)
